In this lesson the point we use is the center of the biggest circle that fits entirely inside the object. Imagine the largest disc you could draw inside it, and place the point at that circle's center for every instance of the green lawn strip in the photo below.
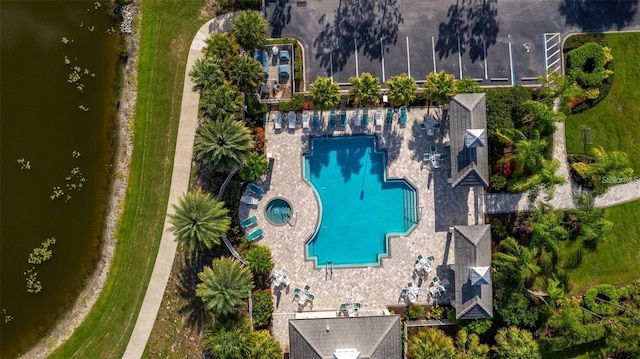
(615, 121)
(167, 31)
(616, 261)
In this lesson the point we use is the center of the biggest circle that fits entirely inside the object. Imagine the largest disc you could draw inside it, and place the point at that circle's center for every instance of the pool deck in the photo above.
(374, 287)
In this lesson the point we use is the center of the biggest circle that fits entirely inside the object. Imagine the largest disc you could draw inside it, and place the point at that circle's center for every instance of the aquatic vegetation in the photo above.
(65, 40)
(97, 5)
(75, 154)
(43, 253)
(7, 317)
(66, 61)
(24, 164)
(57, 193)
(91, 28)
(33, 284)
(83, 108)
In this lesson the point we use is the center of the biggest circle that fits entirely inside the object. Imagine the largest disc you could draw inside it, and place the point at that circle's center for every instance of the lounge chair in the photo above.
(249, 222)
(305, 119)
(255, 189)
(255, 235)
(277, 120)
(365, 117)
(403, 115)
(316, 119)
(389, 118)
(343, 116)
(356, 118)
(249, 200)
(332, 118)
(292, 120)
(378, 117)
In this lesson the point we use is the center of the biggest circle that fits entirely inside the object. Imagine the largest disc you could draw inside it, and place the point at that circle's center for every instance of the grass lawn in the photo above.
(615, 125)
(167, 31)
(615, 121)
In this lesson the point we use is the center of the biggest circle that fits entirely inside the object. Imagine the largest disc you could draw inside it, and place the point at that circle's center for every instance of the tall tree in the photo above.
(223, 145)
(325, 93)
(592, 223)
(224, 286)
(233, 340)
(541, 118)
(545, 178)
(515, 343)
(605, 165)
(259, 260)
(518, 258)
(265, 346)
(250, 29)
(548, 229)
(246, 74)
(467, 85)
(468, 346)
(223, 46)
(430, 343)
(220, 101)
(200, 221)
(365, 89)
(439, 87)
(206, 73)
(402, 89)
(255, 167)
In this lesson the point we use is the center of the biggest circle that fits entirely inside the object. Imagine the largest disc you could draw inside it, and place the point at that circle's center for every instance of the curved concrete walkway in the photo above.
(565, 194)
(179, 185)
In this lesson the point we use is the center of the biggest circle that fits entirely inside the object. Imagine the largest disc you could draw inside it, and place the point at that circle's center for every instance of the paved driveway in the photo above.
(497, 43)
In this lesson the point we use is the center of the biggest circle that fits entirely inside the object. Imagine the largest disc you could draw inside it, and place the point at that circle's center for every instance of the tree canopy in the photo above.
(224, 286)
(223, 145)
(365, 89)
(325, 93)
(250, 29)
(401, 89)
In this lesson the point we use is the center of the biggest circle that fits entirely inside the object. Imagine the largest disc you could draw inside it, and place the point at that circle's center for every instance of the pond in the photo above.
(58, 72)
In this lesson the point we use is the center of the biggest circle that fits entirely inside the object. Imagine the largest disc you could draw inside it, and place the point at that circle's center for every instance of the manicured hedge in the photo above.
(598, 306)
(262, 308)
(584, 334)
(592, 55)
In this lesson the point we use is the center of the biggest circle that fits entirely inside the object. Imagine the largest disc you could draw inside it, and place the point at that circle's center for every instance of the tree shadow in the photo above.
(369, 23)
(280, 18)
(591, 15)
(475, 23)
(350, 161)
(197, 314)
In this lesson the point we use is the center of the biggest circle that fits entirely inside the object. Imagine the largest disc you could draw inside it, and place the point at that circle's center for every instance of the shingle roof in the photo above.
(472, 249)
(469, 165)
(375, 337)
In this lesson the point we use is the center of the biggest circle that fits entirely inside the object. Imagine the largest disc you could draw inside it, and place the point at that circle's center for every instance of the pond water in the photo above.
(63, 145)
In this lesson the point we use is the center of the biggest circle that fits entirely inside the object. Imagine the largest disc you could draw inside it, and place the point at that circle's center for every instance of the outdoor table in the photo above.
(302, 298)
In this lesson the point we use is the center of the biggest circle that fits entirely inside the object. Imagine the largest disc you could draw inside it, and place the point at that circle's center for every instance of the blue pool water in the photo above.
(359, 207)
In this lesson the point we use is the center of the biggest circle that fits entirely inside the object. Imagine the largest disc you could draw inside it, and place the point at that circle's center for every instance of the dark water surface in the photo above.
(42, 123)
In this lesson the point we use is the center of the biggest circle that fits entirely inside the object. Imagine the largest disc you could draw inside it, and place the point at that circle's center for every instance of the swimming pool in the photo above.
(359, 207)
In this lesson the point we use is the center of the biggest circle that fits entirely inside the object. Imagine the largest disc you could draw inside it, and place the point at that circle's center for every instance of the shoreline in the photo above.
(88, 296)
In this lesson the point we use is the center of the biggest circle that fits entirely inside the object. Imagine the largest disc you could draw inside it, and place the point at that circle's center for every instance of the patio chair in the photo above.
(423, 126)
(356, 118)
(332, 118)
(277, 120)
(255, 235)
(307, 287)
(296, 292)
(357, 305)
(249, 200)
(437, 125)
(403, 293)
(443, 156)
(365, 117)
(409, 285)
(292, 120)
(255, 189)
(249, 222)
(426, 157)
(444, 282)
(305, 119)
(286, 281)
(431, 258)
(403, 115)
(343, 307)
(442, 294)
(389, 118)
(420, 258)
(433, 149)
(311, 297)
(378, 117)
(343, 116)
(435, 280)
(316, 119)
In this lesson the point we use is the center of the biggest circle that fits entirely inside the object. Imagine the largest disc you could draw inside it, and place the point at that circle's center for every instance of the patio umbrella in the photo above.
(475, 138)
(479, 275)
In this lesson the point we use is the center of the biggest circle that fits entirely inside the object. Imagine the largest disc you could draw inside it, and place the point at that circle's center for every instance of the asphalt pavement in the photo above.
(497, 43)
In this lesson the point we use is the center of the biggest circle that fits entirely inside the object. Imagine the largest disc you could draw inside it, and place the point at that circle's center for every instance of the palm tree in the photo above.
(223, 145)
(542, 116)
(402, 89)
(246, 74)
(592, 223)
(515, 343)
(225, 286)
(545, 178)
(255, 167)
(325, 93)
(430, 343)
(365, 89)
(558, 85)
(230, 340)
(548, 229)
(259, 260)
(206, 73)
(517, 258)
(250, 29)
(220, 101)
(265, 346)
(530, 154)
(222, 46)
(468, 346)
(200, 221)
(467, 85)
(605, 165)
(440, 87)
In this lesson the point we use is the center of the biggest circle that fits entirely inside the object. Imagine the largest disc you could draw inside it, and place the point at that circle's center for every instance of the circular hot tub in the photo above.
(278, 211)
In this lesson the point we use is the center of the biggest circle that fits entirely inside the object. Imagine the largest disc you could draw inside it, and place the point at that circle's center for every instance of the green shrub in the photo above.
(295, 104)
(584, 334)
(262, 308)
(415, 311)
(606, 292)
(575, 41)
(586, 64)
(436, 312)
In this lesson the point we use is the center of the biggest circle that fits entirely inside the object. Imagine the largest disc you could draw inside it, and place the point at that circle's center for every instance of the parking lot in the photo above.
(496, 44)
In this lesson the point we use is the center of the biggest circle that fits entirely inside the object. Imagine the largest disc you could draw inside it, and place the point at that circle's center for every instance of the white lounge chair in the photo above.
(378, 117)
(356, 118)
(305, 119)
(249, 200)
(277, 120)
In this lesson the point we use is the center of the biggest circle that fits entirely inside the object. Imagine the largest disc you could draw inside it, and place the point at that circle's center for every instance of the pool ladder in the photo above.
(328, 271)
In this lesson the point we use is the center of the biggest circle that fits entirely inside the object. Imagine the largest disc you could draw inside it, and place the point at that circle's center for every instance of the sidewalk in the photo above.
(179, 185)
